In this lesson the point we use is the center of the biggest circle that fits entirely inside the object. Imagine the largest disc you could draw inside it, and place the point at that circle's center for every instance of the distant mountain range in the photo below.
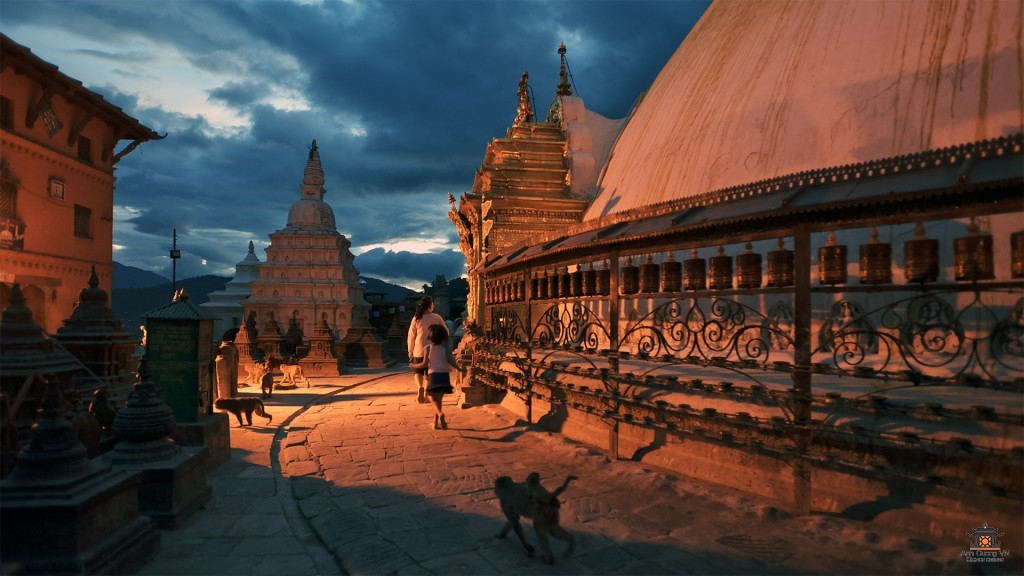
(132, 277)
(137, 291)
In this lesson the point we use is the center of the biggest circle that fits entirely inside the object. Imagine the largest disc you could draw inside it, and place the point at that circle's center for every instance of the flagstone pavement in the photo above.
(351, 478)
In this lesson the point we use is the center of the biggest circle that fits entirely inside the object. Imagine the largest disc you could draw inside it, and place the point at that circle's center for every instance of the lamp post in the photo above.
(175, 254)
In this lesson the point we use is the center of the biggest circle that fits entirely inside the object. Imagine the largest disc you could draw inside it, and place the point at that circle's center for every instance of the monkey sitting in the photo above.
(102, 408)
(531, 500)
(248, 405)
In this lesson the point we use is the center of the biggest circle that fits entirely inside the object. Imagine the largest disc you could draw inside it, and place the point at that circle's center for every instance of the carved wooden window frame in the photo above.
(56, 188)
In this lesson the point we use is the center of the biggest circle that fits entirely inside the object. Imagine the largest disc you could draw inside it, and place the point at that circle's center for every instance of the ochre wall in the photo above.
(53, 258)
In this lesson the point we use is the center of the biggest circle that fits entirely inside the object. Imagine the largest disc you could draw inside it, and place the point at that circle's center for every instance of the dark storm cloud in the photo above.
(402, 98)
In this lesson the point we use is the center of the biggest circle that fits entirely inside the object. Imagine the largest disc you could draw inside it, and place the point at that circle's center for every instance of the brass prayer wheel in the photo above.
(604, 281)
(563, 283)
(534, 290)
(694, 273)
(720, 271)
(780, 266)
(553, 284)
(671, 274)
(649, 277)
(590, 280)
(576, 282)
(972, 255)
(921, 257)
(542, 286)
(748, 268)
(1017, 254)
(832, 262)
(875, 261)
(521, 288)
(630, 277)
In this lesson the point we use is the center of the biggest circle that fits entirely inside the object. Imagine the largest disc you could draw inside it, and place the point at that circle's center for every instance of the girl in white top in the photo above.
(437, 359)
(422, 319)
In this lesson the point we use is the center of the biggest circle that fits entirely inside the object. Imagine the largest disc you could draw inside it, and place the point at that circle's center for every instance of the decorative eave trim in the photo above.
(962, 154)
(55, 82)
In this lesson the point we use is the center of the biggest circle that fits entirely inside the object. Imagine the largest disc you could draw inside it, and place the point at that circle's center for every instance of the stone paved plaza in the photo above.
(352, 479)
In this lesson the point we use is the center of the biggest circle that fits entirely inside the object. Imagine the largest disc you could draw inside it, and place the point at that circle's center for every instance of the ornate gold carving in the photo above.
(524, 110)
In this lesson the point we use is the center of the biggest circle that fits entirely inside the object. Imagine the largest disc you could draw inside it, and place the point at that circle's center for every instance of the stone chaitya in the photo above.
(94, 335)
(308, 281)
(65, 514)
(27, 354)
(226, 304)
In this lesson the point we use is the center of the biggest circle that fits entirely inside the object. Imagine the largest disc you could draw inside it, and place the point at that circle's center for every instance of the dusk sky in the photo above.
(402, 98)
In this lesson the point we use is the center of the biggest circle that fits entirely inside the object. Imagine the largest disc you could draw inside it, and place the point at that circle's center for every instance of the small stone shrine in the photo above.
(173, 479)
(179, 345)
(362, 347)
(309, 277)
(95, 336)
(65, 514)
(322, 360)
(179, 349)
(226, 304)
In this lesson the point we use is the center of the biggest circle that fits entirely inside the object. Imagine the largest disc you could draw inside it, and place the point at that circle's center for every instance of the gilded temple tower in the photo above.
(538, 178)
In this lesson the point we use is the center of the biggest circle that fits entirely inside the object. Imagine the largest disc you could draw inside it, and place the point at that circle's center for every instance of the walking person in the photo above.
(437, 359)
(422, 319)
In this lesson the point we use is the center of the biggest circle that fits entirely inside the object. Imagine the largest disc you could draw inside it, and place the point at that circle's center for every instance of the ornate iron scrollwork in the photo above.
(928, 334)
(683, 328)
(571, 324)
(506, 325)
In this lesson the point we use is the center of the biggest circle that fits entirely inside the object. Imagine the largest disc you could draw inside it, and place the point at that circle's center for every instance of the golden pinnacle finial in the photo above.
(563, 89)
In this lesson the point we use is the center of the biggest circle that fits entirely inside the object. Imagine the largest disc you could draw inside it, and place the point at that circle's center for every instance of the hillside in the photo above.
(132, 277)
(131, 304)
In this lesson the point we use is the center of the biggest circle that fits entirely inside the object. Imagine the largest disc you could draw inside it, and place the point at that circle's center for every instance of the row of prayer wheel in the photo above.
(972, 256)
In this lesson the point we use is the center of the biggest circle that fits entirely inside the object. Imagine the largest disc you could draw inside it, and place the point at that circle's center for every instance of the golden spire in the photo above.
(524, 110)
(564, 89)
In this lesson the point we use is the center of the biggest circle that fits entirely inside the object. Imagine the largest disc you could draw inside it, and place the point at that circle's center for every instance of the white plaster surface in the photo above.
(763, 89)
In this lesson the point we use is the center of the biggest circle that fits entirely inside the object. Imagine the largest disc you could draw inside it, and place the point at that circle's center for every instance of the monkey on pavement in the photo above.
(248, 405)
(531, 500)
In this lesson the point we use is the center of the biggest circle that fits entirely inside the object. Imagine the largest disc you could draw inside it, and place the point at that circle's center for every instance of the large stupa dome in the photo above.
(308, 212)
(763, 89)
(310, 209)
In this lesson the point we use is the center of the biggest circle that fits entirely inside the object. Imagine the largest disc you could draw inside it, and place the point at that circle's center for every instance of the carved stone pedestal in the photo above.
(171, 490)
(210, 431)
(88, 525)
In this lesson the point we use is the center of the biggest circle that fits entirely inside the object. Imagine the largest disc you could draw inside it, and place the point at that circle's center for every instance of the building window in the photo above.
(83, 222)
(56, 188)
(51, 122)
(84, 150)
(6, 113)
(8, 199)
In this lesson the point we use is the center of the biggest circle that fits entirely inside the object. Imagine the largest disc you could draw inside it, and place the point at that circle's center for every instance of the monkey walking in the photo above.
(248, 405)
(531, 500)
